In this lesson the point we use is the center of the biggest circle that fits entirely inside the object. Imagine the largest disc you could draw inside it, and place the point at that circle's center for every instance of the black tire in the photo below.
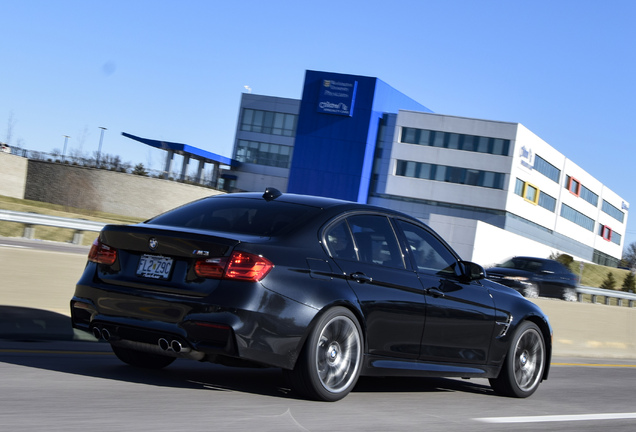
(531, 291)
(569, 294)
(523, 368)
(141, 359)
(330, 361)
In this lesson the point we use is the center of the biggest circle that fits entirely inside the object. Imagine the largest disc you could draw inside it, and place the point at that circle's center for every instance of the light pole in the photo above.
(66, 137)
(99, 150)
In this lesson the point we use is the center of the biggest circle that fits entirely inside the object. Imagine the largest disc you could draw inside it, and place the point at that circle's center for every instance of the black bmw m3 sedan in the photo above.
(324, 289)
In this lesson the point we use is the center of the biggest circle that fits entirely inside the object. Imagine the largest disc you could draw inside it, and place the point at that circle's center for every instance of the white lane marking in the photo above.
(558, 418)
(14, 246)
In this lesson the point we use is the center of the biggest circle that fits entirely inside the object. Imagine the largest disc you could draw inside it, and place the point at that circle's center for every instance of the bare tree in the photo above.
(629, 255)
(10, 125)
(82, 137)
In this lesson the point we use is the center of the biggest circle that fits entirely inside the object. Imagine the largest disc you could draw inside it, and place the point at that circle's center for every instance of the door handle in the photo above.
(361, 277)
(435, 292)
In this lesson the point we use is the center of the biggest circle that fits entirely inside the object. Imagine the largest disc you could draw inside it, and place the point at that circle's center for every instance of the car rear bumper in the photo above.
(249, 329)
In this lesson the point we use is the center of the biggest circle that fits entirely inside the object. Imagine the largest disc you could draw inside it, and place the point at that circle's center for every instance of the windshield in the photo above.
(522, 264)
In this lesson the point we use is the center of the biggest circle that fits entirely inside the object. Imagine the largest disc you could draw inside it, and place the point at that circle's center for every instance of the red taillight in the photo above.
(248, 267)
(212, 268)
(101, 253)
(240, 266)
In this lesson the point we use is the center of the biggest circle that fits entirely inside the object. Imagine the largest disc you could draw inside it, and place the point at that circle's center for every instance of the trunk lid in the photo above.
(162, 258)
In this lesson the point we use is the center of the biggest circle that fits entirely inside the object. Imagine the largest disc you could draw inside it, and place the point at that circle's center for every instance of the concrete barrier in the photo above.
(107, 191)
(39, 279)
(45, 280)
(591, 330)
(13, 174)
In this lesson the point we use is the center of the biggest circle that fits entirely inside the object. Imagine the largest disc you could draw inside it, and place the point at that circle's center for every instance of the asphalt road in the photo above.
(73, 386)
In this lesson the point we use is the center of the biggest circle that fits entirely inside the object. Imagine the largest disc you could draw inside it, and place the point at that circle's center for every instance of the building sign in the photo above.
(527, 157)
(337, 97)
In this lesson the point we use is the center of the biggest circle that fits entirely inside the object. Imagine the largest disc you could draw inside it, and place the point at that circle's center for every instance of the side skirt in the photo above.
(384, 366)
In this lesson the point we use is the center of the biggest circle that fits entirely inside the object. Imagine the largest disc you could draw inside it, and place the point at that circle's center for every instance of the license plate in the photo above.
(155, 267)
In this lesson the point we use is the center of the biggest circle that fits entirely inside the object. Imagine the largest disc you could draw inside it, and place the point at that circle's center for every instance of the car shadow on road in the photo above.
(23, 323)
(45, 340)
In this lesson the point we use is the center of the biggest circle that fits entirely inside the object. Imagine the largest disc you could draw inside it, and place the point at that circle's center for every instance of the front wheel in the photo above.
(524, 364)
(329, 364)
(141, 359)
(531, 291)
(569, 294)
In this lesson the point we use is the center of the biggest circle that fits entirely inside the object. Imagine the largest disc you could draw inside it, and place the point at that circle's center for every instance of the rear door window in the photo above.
(365, 238)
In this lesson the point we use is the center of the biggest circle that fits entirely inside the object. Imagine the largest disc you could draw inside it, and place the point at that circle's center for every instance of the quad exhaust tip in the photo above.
(173, 345)
(164, 344)
(101, 333)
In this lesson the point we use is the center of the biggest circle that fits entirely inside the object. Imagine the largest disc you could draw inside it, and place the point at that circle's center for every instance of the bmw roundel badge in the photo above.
(153, 243)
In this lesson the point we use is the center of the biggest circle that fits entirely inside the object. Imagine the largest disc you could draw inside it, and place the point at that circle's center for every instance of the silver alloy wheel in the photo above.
(529, 360)
(569, 294)
(338, 354)
(531, 291)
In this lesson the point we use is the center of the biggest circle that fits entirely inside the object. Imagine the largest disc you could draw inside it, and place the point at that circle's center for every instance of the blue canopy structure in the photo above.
(188, 152)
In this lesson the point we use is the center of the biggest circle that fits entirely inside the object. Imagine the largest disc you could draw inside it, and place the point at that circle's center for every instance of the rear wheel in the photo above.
(524, 365)
(329, 364)
(141, 359)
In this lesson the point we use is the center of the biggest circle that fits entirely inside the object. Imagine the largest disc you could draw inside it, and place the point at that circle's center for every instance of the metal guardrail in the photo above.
(620, 296)
(33, 219)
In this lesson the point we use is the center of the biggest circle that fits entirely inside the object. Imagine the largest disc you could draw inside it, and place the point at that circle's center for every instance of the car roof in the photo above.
(529, 258)
(314, 201)
(311, 200)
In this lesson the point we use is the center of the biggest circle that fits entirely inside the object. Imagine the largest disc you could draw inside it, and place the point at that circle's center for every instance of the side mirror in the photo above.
(472, 271)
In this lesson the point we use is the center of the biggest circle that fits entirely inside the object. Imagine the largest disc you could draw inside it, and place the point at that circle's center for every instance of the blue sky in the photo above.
(175, 70)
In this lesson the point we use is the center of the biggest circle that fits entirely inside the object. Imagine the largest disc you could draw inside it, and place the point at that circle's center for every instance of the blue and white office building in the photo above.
(492, 189)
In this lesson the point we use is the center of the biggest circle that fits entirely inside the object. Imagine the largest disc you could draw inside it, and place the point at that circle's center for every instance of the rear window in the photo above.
(241, 215)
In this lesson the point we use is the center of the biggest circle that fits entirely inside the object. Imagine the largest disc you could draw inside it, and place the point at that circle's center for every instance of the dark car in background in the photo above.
(326, 290)
(536, 277)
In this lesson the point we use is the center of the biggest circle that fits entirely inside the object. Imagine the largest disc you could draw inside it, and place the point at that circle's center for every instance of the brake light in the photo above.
(212, 268)
(239, 266)
(248, 267)
(101, 253)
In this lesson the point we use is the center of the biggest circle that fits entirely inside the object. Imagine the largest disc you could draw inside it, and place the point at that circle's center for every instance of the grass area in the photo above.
(14, 229)
(593, 275)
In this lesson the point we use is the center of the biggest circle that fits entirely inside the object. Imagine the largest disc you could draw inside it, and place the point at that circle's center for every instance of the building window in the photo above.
(268, 122)
(547, 169)
(574, 186)
(577, 217)
(473, 143)
(589, 196)
(604, 259)
(579, 189)
(532, 194)
(465, 176)
(263, 153)
(608, 234)
(546, 201)
(613, 211)
(605, 232)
